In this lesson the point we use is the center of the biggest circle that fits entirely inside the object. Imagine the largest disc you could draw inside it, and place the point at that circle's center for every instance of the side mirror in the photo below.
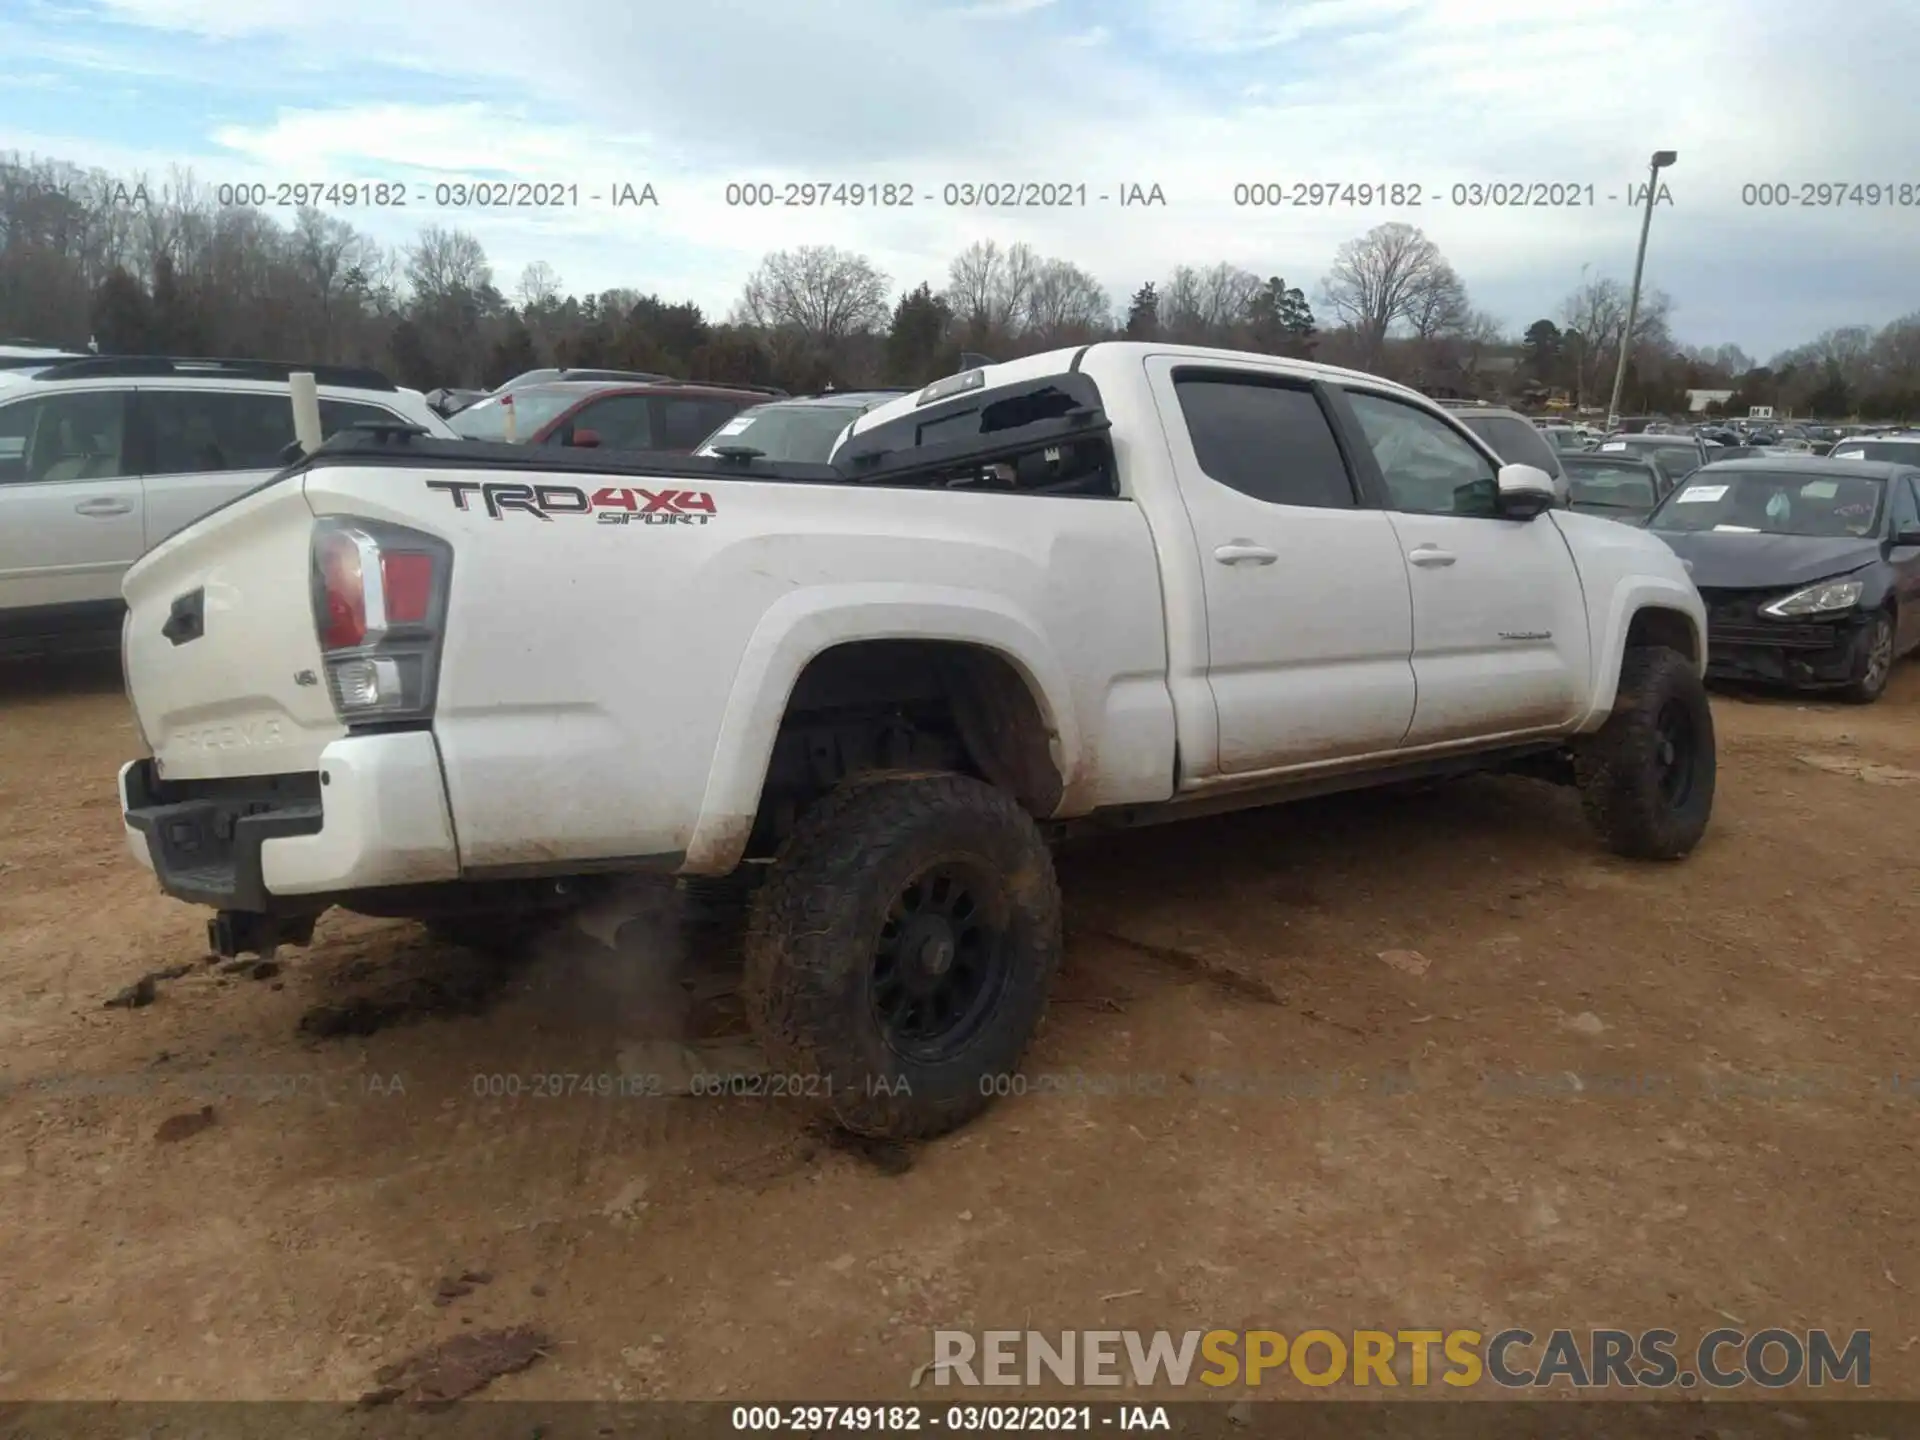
(1524, 491)
(586, 439)
(1907, 535)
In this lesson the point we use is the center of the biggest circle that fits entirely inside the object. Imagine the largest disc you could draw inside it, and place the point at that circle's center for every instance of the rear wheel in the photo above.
(900, 952)
(1875, 665)
(1647, 777)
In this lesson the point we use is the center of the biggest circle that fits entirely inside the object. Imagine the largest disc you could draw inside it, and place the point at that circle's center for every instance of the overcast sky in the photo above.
(1194, 96)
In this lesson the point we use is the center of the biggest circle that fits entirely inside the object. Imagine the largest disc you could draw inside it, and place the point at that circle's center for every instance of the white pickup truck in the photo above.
(1112, 585)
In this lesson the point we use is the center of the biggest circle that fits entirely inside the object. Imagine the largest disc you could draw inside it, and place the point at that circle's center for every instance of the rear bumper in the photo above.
(373, 814)
(1808, 656)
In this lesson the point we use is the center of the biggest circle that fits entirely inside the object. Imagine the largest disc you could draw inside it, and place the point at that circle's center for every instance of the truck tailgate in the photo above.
(222, 658)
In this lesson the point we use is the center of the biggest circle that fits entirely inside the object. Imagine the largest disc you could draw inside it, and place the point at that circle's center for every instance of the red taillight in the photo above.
(379, 592)
(408, 581)
(344, 593)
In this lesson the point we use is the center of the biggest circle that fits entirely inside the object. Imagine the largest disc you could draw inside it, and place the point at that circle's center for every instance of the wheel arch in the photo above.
(1647, 615)
(1007, 693)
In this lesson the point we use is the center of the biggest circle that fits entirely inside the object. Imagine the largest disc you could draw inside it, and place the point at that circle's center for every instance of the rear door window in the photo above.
(682, 424)
(1270, 441)
(64, 436)
(194, 432)
(623, 422)
(338, 415)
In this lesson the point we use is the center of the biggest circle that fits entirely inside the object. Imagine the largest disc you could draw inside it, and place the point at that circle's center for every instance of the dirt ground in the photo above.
(1297, 1132)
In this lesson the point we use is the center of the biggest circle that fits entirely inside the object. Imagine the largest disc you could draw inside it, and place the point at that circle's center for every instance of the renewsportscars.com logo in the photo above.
(1510, 1359)
(613, 505)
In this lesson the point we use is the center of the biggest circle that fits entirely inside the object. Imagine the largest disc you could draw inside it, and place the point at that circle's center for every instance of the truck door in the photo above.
(1500, 643)
(1309, 618)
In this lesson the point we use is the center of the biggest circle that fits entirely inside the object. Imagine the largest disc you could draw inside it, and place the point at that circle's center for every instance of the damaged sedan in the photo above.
(1810, 568)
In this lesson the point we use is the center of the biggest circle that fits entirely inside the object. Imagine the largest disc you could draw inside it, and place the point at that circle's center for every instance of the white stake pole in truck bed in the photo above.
(306, 410)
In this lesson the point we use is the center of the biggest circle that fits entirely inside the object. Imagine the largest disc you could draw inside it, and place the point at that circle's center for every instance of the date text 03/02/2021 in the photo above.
(950, 194)
(952, 1419)
(440, 195)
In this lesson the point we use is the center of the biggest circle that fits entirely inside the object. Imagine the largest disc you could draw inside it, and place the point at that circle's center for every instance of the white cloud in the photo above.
(1194, 95)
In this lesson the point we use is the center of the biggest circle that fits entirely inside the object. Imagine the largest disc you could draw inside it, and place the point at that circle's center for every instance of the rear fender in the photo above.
(806, 623)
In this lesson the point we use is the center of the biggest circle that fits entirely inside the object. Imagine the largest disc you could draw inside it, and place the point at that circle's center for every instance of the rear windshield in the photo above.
(1675, 461)
(1514, 441)
(1905, 452)
(530, 409)
(785, 432)
(1764, 502)
(1612, 487)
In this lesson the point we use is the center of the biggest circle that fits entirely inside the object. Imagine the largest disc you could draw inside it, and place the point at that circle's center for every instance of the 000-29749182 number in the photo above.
(558, 1085)
(1834, 194)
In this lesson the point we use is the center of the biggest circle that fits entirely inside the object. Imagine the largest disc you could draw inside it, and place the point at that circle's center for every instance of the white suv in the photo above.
(103, 457)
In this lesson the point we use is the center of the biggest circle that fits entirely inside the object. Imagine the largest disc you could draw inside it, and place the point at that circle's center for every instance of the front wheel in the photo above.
(900, 951)
(1647, 777)
(1875, 666)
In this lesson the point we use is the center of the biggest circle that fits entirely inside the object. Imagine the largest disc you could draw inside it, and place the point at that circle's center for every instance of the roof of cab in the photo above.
(1814, 467)
(1107, 353)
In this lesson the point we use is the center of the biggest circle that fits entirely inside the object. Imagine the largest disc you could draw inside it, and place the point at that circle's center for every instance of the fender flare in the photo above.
(806, 623)
(1627, 602)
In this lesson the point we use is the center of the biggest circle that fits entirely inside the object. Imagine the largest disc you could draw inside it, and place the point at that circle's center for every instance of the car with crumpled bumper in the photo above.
(1809, 567)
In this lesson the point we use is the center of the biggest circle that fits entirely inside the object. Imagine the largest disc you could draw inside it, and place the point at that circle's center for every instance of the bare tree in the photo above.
(1597, 310)
(331, 258)
(988, 290)
(1065, 306)
(445, 263)
(539, 286)
(1383, 278)
(1438, 305)
(1207, 306)
(820, 294)
(1896, 354)
(1846, 352)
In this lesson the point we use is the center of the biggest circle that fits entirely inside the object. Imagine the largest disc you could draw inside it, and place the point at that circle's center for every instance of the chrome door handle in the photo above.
(1431, 557)
(103, 507)
(1243, 552)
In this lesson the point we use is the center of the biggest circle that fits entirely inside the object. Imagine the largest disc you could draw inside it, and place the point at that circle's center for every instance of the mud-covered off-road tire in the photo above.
(1877, 657)
(816, 928)
(1629, 788)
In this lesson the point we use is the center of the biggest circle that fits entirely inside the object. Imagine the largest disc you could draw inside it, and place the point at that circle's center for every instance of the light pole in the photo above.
(1661, 159)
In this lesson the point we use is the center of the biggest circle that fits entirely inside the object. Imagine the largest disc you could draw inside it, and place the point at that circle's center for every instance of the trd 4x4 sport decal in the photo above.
(612, 506)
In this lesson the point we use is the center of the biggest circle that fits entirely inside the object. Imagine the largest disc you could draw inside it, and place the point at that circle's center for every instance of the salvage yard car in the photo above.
(670, 416)
(1618, 486)
(103, 457)
(1086, 589)
(1810, 568)
(804, 428)
(1513, 437)
(1674, 456)
(1897, 449)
